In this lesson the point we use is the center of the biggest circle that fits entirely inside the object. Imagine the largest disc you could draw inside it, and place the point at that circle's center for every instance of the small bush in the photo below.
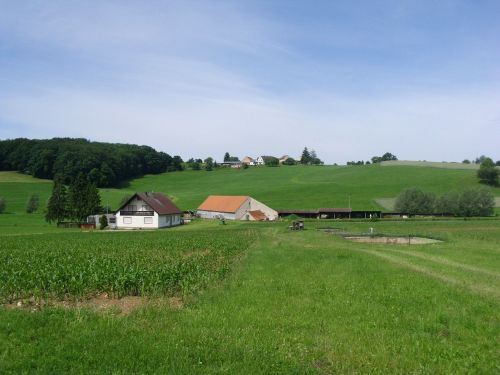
(33, 203)
(103, 222)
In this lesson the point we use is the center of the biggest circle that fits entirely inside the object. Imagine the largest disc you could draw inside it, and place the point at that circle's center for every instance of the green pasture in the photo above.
(291, 302)
(300, 186)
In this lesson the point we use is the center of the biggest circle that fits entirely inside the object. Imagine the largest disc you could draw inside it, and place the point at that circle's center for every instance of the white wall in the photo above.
(137, 221)
(268, 211)
(214, 215)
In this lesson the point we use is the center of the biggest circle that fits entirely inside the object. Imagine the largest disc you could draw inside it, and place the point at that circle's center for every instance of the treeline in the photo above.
(74, 203)
(105, 164)
(470, 202)
(376, 159)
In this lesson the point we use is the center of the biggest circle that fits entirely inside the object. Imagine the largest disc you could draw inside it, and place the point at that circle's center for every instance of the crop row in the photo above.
(79, 265)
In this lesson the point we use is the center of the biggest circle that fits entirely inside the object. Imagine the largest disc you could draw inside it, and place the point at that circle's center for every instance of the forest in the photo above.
(105, 164)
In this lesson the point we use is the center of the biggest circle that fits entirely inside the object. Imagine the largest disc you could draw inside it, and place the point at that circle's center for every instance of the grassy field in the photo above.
(299, 186)
(293, 302)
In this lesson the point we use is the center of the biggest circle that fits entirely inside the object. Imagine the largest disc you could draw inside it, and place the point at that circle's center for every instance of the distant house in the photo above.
(248, 160)
(232, 207)
(231, 164)
(261, 160)
(284, 158)
(148, 210)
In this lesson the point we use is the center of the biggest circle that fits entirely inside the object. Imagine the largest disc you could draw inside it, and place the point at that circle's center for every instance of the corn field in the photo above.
(80, 265)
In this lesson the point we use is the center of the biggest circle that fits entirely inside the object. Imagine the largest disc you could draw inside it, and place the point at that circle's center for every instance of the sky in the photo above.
(350, 79)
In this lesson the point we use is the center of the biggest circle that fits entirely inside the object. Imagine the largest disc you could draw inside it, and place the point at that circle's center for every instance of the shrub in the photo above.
(476, 202)
(33, 203)
(415, 201)
(488, 173)
(103, 222)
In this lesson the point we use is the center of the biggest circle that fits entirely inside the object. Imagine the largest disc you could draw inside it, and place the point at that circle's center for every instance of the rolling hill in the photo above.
(366, 187)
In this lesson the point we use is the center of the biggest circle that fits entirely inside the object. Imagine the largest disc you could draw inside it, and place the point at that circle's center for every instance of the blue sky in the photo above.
(350, 79)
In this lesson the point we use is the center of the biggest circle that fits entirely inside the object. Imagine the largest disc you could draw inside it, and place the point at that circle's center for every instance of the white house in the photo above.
(148, 211)
(261, 160)
(238, 207)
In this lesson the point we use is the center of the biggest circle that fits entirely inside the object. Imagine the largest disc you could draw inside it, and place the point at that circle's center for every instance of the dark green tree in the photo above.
(103, 222)
(2, 205)
(209, 164)
(57, 208)
(271, 162)
(226, 156)
(306, 157)
(488, 173)
(33, 203)
(83, 198)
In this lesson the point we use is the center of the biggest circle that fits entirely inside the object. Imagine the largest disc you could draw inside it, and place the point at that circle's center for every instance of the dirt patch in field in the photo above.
(101, 303)
(393, 240)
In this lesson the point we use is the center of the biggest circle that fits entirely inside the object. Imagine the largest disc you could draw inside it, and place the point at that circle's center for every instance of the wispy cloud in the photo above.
(198, 78)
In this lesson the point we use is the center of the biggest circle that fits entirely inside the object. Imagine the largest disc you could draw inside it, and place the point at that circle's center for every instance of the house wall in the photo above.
(259, 161)
(136, 222)
(242, 213)
(215, 215)
(268, 211)
(165, 221)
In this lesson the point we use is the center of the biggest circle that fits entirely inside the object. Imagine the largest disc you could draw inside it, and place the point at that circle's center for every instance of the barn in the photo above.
(148, 211)
(235, 207)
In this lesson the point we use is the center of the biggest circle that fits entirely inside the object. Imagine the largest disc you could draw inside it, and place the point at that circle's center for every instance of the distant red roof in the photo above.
(159, 202)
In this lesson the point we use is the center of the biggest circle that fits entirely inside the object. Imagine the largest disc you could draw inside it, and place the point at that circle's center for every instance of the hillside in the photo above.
(300, 186)
(283, 187)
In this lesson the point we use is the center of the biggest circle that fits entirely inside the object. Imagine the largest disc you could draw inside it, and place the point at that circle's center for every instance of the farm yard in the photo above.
(263, 300)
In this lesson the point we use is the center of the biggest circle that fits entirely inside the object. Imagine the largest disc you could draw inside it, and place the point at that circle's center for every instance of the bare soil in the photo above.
(101, 303)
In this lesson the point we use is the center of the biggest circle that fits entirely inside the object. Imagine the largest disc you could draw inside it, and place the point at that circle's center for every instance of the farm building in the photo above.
(248, 160)
(94, 219)
(261, 160)
(284, 158)
(331, 213)
(232, 207)
(148, 210)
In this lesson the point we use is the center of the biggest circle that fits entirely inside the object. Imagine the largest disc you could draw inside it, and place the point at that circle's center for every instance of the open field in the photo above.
(296, 302)
(430, 164)
(299, 186)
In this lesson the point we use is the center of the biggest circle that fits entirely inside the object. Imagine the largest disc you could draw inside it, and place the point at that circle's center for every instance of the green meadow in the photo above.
(301, 186)
(293, 302)
(252, 298)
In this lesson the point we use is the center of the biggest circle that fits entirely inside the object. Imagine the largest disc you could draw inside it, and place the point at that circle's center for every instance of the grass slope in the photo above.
(300, 186)
(306, 302)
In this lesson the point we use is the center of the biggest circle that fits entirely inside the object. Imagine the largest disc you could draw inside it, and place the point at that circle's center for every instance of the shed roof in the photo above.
(159, 202)
(223, 203)
(334, 210)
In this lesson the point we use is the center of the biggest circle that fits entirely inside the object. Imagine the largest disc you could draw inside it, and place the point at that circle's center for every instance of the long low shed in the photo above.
(331, 213)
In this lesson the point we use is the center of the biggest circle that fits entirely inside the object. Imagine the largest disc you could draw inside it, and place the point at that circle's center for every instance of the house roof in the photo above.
(223, 203)
(334, 210)
(258, 215)
(159, 202)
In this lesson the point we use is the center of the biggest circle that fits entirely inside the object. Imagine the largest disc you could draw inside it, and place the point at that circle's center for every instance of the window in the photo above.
(112, 220)
(127, 220)
(148, 220)
(131, 207)
(146, 208)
